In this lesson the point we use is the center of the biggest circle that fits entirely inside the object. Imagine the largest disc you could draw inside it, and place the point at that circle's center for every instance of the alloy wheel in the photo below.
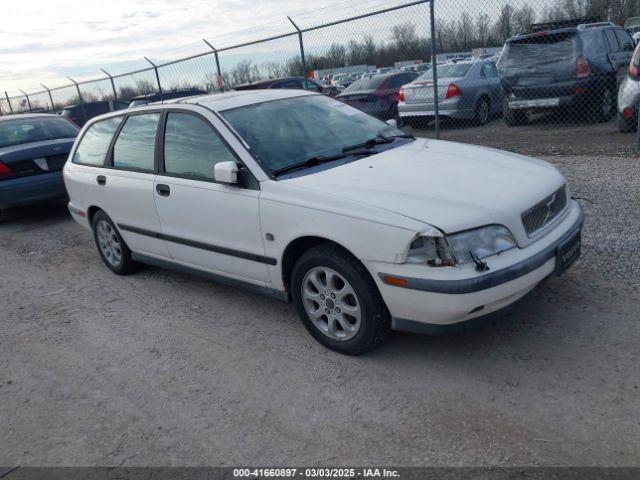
(331, 303)
(109, 243)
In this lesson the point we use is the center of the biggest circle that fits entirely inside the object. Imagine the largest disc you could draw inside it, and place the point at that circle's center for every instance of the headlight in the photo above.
(460, 248)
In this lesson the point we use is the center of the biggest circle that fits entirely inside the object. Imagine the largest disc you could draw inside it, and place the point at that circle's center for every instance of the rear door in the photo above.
(205, 223)
(627, 46)
(492, 81)
(126, 185)
(617, 56)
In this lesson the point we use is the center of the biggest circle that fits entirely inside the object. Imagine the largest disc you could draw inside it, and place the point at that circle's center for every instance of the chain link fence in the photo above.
(486, 71)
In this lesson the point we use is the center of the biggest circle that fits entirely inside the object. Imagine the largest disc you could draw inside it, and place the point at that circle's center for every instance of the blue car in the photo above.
(33, 150)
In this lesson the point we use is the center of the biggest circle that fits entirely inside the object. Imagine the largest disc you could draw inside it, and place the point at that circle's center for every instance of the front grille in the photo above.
(545, 211)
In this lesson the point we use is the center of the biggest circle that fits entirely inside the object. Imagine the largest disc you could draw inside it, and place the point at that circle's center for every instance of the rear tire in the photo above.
(605, 107)
(625, 125)
(512, 117)
(483, 111)
(112, 249)
(338, 301)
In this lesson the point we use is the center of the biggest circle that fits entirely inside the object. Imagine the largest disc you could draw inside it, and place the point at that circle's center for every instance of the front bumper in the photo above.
(31, 189)
(454, 295)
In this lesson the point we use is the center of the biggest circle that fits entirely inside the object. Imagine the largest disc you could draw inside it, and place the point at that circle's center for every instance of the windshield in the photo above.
(549, 50)
(28, 130)
(286, 132)
(450, 70)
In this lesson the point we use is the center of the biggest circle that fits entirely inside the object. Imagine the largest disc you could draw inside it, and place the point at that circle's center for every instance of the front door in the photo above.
(204, 223)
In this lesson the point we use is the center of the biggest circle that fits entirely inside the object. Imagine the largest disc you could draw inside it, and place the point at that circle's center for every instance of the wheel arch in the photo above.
(296, 248)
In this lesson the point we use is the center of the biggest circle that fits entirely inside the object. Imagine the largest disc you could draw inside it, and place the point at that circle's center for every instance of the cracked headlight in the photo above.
(480, 243)
(460, 248)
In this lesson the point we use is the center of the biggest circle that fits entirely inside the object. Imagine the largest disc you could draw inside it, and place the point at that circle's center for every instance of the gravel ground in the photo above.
(160, 368)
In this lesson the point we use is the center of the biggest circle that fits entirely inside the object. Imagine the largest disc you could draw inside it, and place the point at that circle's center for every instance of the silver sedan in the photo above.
(467, 90)
(629, 96)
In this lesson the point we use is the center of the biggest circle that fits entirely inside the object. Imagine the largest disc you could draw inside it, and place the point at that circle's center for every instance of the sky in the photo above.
(46, 41)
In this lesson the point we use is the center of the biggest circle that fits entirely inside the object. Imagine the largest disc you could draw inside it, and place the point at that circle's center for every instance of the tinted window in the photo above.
(95, 142)
(555, 52)
(35, 129)
(593, 43)
(291, 83)
(489, 70)
(623, 39)
(365, 84)
(135, 145)
(612, 41)
(191, 147)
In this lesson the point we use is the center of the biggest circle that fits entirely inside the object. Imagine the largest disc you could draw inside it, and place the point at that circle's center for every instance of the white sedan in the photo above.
(302, 197)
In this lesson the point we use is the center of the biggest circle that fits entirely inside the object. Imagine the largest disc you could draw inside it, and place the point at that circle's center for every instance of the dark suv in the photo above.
(556, 66)
(83, 112)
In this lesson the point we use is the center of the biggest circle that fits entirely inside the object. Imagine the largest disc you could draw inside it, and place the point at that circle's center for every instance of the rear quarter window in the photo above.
(95, 142)
(593, 44)
(612, 41)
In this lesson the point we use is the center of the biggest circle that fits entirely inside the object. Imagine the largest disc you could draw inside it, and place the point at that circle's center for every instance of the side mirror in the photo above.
(392, 122)
(226, 172)
(628, 47)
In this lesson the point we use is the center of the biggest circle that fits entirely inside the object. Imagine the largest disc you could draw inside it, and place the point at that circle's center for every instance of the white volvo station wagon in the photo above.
(302, 197)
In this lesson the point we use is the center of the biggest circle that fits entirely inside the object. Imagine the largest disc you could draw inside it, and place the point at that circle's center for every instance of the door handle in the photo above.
(101, 179)
(163, 189)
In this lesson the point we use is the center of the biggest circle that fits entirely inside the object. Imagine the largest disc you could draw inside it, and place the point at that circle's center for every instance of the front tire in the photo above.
(338, 301)
(112, 248)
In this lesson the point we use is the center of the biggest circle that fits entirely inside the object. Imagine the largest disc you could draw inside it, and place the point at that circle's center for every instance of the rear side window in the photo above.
(95, 142)
(593, 43)
(612, 41)
(489, 70)
(135, 147)
(192, 148)
(624, 39)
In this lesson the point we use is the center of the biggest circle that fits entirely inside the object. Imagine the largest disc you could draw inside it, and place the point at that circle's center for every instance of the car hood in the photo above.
(451, 186)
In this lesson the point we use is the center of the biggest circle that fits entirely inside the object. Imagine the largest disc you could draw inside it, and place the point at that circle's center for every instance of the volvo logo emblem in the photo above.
(549, 207)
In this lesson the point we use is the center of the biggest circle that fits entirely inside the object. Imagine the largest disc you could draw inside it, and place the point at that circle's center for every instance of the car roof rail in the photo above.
(555, 25)
(597, 24)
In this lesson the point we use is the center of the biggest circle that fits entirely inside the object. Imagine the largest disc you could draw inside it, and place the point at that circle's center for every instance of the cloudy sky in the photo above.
(44, 41)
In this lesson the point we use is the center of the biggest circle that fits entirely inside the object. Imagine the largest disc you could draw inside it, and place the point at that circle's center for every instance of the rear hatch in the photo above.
(421, 90)
(539, 65)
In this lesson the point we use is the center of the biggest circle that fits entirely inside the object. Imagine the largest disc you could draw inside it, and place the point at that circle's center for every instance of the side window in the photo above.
(593, 43)
(291, 83)
(191, 147)
(612, 41)
(95, 142)
(489, 70)
(624, 39)
(397, 82)
(135, 146)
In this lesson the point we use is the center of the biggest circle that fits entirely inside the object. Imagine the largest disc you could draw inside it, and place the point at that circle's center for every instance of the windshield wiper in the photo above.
(372, 142)
(317, 160)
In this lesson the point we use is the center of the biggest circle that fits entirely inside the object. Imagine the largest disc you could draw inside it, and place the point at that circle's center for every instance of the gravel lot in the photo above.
(160, 368)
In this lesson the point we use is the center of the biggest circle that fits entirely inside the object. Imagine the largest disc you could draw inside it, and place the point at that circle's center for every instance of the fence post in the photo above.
(6, 95)
(155, 69)
(215, 54)
(113, 87)
(80, 101)
(304, 62)
(50, 97)
(434, 67)
(28, 101)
